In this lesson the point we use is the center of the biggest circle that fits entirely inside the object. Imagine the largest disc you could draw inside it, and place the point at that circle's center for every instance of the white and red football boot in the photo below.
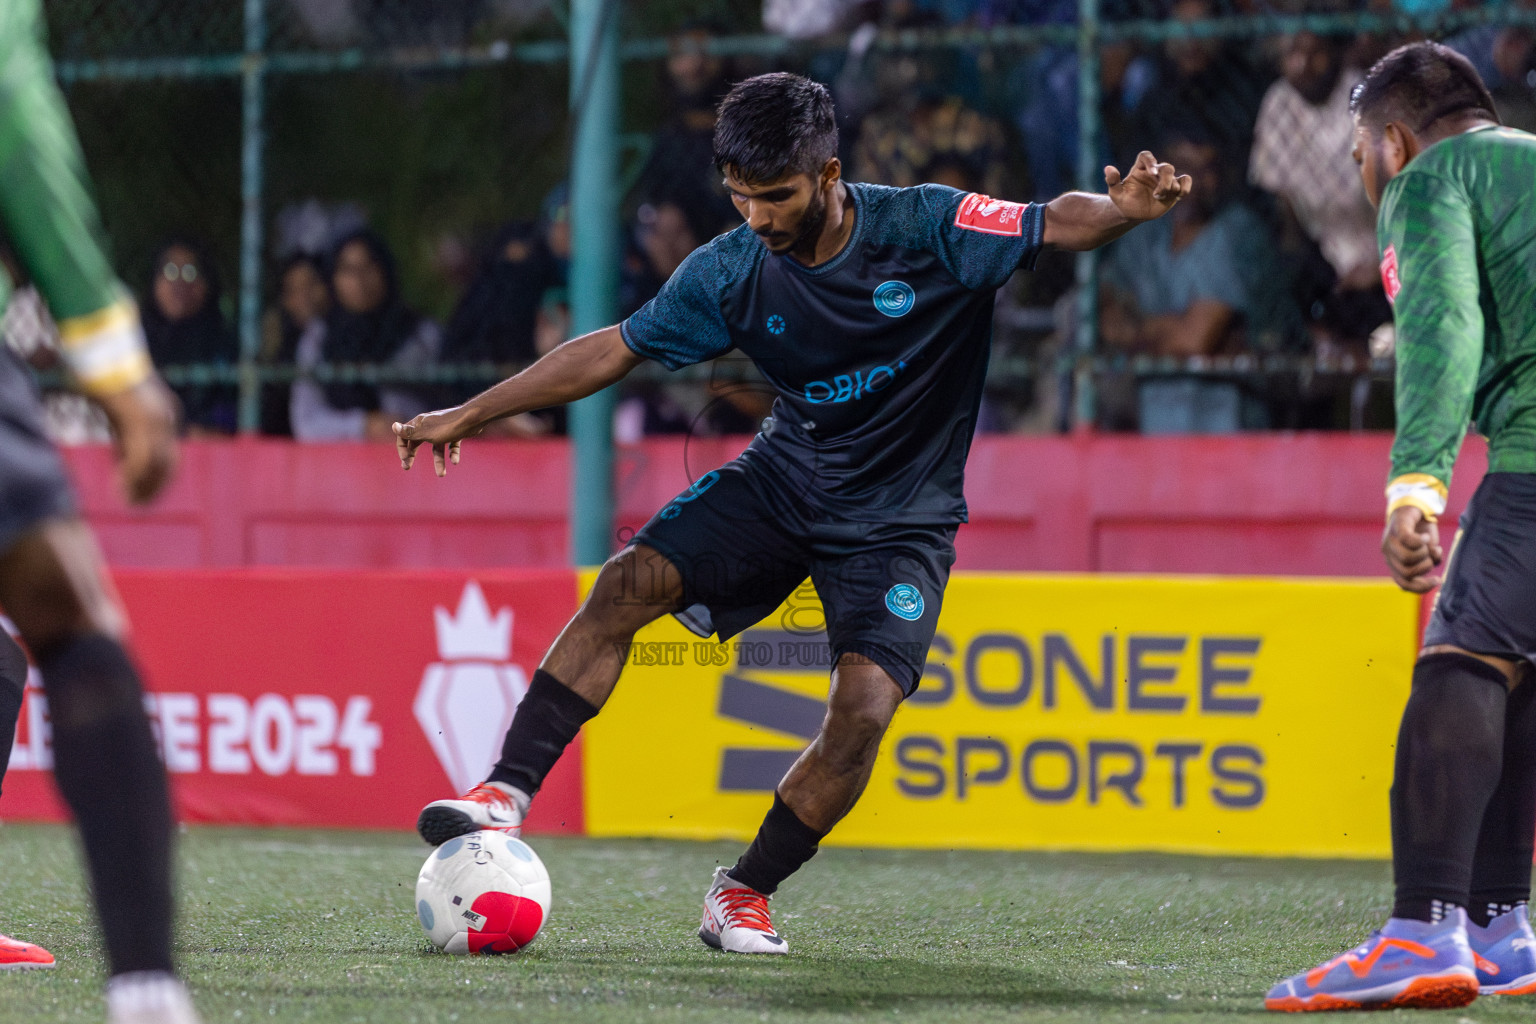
(490, 806)
(16, 955)
(736, 918)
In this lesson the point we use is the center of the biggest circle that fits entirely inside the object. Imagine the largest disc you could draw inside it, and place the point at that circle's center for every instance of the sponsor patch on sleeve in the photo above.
(1389, 279)
(990, 216)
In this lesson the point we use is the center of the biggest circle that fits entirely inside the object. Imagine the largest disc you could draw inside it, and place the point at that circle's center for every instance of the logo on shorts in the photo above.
(895, 298)
(775, 324)
(904, 602)
(695, 489)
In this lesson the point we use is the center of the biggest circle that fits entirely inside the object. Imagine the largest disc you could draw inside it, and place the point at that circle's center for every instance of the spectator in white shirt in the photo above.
(1301, 155)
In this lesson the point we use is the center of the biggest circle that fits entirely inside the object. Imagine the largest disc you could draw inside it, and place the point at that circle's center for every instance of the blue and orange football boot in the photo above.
(1505, 952)
(1411, 964)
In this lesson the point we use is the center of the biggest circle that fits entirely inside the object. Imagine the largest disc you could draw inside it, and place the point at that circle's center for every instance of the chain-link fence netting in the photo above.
(408, 160)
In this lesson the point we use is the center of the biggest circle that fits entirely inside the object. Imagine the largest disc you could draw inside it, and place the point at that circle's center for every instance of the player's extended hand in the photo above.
(143, 420)
(1149, 190)
(443, 430)
(1412, 547)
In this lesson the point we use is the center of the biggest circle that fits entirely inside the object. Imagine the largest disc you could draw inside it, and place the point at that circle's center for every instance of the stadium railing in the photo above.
(258, 45)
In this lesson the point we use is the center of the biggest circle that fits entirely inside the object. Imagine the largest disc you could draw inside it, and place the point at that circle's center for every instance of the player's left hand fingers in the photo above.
(1416, 584)
(1182, 186)
(404, 446)
(440, 459)
(1164, 186)
(453, 453)
(1411, 562)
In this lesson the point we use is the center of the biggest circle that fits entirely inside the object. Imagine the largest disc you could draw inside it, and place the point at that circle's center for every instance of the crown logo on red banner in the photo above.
(472, 633)
(466, 699)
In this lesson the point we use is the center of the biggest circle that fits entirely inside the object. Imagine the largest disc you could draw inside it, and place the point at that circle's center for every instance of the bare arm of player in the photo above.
(1079, 221)
(1412, 548)
(582, 366)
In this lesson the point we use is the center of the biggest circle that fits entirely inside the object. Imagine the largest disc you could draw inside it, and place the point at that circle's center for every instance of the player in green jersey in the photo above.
(1457, 231)
(52, 583)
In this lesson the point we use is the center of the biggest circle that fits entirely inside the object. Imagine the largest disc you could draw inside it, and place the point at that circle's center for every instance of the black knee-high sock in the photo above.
(782, 845)
(547, 719)
(13, 682)
(109, 772)
(1501, 869)
(1449, 757)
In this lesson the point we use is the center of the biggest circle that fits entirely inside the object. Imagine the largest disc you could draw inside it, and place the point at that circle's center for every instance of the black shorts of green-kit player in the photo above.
(744, 542)
(1487, 603)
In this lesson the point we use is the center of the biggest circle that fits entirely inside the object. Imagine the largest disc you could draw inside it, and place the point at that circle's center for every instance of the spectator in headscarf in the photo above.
(367, 324)
(500, 317)
(302, 298)
(494, 322)
(184, 326)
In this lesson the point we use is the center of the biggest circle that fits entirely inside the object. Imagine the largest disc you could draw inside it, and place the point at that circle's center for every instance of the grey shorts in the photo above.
(1487, 604)
(33, 484)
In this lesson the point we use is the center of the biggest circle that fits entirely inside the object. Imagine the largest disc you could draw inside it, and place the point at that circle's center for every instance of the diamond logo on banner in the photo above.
(466, 700)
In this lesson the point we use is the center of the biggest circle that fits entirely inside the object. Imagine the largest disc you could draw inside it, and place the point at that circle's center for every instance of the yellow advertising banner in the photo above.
(1203, 715)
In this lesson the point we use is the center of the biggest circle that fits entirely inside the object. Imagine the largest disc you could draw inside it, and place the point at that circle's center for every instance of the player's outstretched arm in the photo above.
(1079, 221)
(582, 366)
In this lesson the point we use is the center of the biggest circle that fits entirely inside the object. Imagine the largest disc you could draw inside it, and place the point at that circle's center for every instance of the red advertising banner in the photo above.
(289, 697)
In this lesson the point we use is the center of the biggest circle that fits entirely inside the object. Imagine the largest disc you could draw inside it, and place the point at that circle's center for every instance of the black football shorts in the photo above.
(744, 543)
(1487, 604)
(33, 485)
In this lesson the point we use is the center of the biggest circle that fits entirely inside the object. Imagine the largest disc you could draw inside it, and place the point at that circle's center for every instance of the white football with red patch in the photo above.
(484, 892)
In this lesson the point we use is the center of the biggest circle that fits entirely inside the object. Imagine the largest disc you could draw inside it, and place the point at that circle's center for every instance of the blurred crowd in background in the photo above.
(1274, 255)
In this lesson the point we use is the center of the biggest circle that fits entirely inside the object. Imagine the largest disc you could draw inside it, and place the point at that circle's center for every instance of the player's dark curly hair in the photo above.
(1419, 84)
(775, 125)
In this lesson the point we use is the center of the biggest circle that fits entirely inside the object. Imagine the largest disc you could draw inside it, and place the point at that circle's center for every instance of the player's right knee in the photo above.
(88, 678)
(53, 587)
(631, 591)
(1455, 708)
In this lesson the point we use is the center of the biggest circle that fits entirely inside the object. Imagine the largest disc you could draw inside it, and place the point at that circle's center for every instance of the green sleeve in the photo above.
(45, 201)
(1426, 225)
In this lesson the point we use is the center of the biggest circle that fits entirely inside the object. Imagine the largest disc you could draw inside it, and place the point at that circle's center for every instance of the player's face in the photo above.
(785, 213)
(1381, 155)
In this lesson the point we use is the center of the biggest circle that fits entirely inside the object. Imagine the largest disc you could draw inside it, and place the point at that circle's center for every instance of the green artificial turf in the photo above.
(318, 926)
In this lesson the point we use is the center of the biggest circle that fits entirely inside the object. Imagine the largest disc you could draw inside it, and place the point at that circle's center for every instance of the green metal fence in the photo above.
(224, 64)
(223, 109)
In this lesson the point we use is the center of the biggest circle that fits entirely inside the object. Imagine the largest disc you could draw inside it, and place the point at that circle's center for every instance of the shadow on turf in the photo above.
(825, 984)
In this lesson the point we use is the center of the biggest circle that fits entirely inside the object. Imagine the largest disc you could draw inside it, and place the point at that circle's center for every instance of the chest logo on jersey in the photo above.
(776, 324)
(1390, 282)
(990, 216)
(895, 298)
(845, 388)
